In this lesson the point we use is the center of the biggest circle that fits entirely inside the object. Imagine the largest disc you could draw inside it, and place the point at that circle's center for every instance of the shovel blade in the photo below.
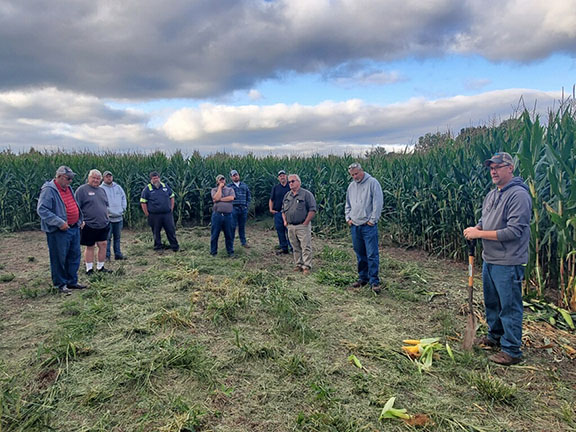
(470, 332)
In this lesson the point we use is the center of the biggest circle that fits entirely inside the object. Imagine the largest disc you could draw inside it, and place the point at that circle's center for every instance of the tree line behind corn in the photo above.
(430, 195)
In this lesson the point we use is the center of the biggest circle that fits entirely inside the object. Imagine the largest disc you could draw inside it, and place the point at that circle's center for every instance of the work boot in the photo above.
(504, 359)
(485, 342)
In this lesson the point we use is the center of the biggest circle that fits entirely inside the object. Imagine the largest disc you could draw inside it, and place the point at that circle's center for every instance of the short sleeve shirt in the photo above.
(223, 207)
(277, 196)
(296, 207)
(158, 199)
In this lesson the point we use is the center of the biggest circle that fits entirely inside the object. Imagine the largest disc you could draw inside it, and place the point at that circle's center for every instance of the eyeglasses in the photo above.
(497, 167)
(292, 181)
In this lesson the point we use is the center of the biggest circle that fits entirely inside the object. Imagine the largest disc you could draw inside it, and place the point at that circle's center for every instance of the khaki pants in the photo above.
(300, 237)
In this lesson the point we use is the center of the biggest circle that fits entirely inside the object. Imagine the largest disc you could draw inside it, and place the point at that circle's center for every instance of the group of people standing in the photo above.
(89, 217)
(94, 215)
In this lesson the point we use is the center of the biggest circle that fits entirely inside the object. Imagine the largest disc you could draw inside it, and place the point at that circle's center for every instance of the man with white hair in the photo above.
(94, 205)
(298, 210)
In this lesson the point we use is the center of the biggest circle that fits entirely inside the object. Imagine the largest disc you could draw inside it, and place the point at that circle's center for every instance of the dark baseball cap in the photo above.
(500, 158)
(154, 174)
(64, 170)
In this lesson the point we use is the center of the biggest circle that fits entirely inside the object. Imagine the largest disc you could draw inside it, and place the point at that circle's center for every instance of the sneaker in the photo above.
(504, 359)
(89, 272)
(297, 269)
(305, 271)
(246, 245)
(120, 258)
(359, 284)
(376, 289)
(64, 290)
(231, 255)
(76, 286)
(486, 343)
(282, 252)
(104, 270)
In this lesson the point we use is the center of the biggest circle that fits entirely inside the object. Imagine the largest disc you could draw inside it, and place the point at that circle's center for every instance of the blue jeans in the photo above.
(239, 217)
(281, 231)
(115, 230)
(503, 302)
(221, 222)
(365, 242)
(64, 249)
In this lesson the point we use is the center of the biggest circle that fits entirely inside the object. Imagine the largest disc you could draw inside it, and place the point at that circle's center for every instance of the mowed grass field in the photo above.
(187, 342)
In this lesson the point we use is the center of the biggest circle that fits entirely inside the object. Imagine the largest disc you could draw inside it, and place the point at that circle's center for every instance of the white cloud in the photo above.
(334, 126)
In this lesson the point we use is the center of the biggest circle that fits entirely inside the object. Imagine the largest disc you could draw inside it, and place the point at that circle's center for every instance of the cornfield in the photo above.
(429, 197)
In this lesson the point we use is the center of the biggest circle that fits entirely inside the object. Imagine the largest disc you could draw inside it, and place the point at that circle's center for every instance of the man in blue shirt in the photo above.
(241, 203)
(275, 202)
(157, 202)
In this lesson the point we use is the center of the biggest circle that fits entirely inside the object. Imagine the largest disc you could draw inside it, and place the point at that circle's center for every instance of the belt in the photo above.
(299, 223)
(222, 214)
(73, 225)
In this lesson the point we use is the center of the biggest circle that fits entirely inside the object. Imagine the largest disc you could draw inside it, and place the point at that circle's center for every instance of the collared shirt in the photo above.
(296, 207)
(72, 211)
(158, 199)
(223, 206)
(242, 195)
(277, 195)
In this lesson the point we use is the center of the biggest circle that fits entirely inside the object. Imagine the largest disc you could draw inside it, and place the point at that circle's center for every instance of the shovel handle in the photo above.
(471, 253)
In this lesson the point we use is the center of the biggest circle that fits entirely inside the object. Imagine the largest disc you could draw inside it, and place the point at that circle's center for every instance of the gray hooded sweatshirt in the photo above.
(364, 201)
(508, 212)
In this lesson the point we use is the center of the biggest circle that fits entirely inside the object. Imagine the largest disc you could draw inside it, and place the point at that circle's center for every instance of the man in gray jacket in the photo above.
(61, 219)
(364, 202)
(116, 208)
(505, 232)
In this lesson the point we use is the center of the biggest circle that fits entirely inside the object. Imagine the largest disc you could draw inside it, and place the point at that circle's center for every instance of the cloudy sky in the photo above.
(276, 76)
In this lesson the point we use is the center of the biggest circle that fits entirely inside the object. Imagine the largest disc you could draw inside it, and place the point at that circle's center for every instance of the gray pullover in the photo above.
(116, 200)
(364, 201)
(508, 212)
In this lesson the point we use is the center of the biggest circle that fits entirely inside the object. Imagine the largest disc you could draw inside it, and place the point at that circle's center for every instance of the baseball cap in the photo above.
(64, 170)
(106, 173)
(281, 172)
(154, 174)
(220, 177)
(500, 158)
(233, 173)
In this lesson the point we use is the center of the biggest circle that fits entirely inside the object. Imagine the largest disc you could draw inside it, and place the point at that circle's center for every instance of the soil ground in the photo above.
(187, 342)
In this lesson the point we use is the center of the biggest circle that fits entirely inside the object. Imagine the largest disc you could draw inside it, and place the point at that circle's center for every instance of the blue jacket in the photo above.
(51, 208)
(243, 196)
(508, 212)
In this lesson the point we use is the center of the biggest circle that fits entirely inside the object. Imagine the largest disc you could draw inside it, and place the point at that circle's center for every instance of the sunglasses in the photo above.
(292, 181)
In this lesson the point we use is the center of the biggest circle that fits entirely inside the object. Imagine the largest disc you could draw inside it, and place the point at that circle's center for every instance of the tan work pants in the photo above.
(301, 240)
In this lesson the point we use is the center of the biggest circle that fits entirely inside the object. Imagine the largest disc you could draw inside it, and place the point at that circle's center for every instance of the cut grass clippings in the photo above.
(190, 342)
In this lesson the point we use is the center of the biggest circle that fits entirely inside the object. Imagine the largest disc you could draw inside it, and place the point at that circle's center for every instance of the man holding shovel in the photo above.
(505, 232)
